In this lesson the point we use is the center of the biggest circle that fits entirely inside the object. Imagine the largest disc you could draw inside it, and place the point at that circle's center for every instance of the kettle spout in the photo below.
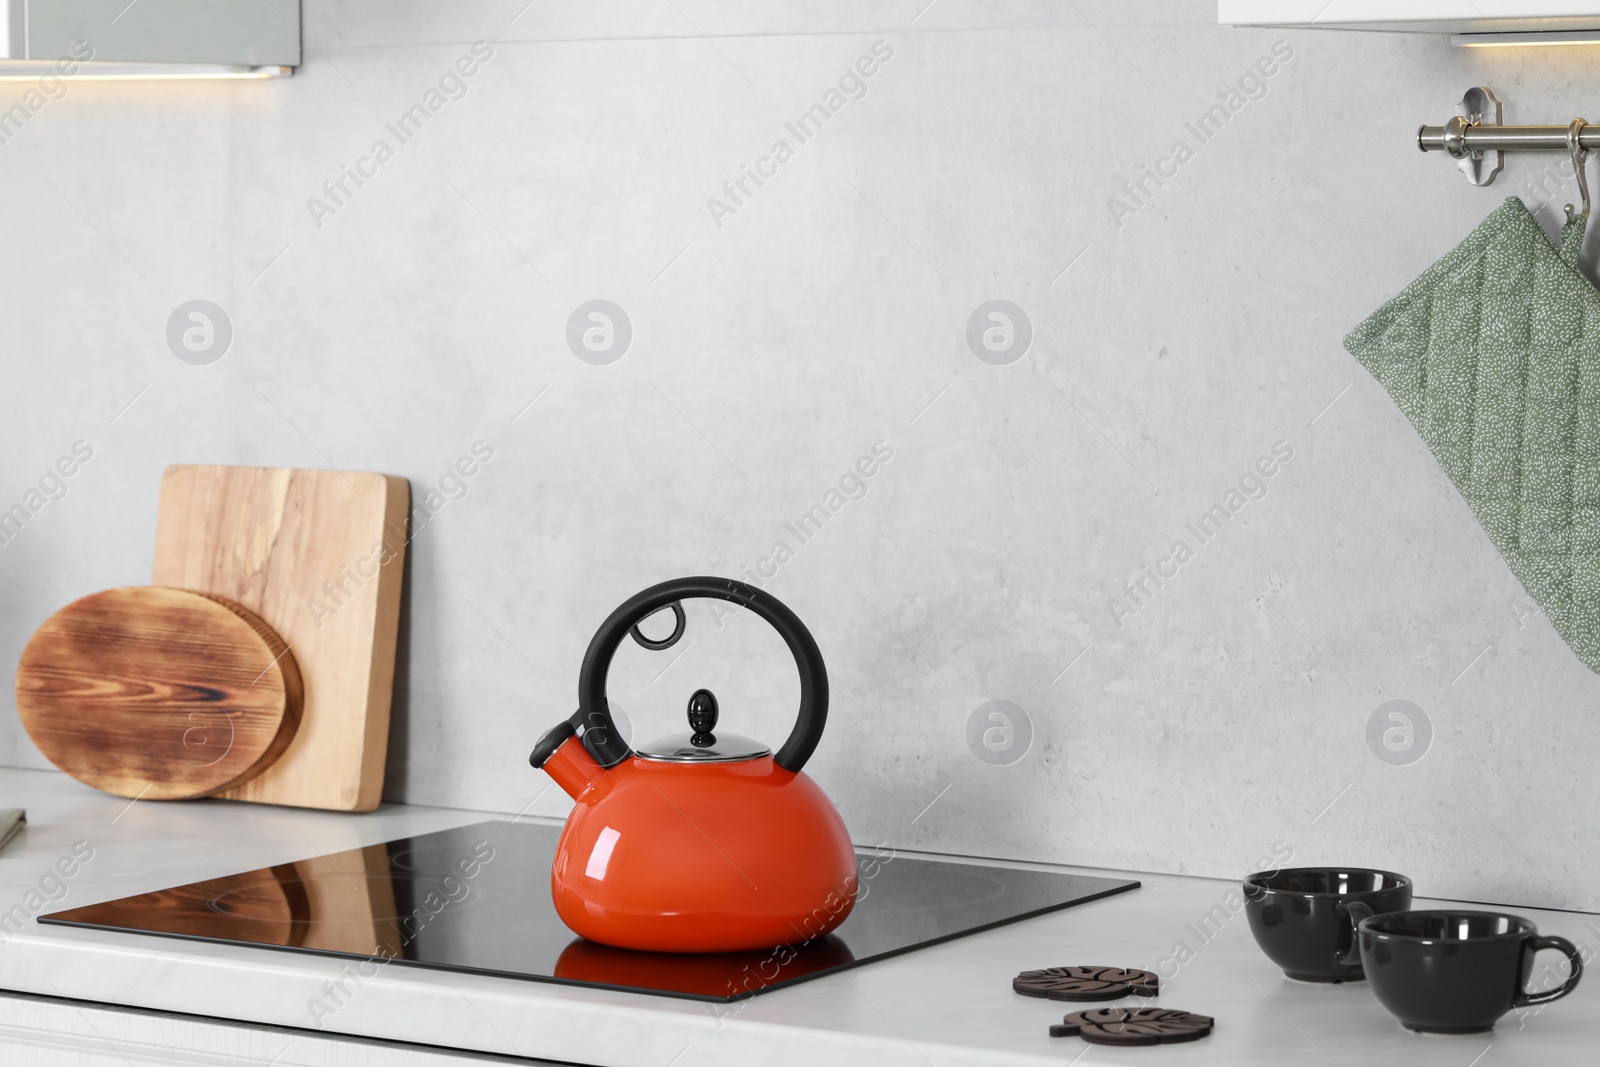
(561, 754)
(573, 769)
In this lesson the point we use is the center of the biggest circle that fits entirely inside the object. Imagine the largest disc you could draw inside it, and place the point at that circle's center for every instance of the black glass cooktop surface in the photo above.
(477, 899)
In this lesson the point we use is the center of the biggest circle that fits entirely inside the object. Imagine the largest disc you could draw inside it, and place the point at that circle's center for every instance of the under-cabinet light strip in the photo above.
(1523, 40)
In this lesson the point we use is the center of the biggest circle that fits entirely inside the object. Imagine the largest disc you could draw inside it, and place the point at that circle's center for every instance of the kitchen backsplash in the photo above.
(1002, 342)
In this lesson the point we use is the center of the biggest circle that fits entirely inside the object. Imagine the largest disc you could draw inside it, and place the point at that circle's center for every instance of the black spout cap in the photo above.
(553, 738)
(600, 738)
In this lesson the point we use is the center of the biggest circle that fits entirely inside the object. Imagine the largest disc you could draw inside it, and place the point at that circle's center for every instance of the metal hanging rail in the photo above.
(1475, 137)
(1459, 138)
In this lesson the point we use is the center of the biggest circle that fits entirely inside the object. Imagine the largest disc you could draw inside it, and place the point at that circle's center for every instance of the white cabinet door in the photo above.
(49, 1033)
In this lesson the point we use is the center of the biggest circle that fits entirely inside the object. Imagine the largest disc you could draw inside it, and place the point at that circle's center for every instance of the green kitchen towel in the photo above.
(1494, 355)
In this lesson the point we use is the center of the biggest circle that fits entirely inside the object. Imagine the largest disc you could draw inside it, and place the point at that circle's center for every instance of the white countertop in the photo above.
(945, 1005)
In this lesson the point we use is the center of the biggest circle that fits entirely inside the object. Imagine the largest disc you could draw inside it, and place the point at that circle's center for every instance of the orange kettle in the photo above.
(703, 841)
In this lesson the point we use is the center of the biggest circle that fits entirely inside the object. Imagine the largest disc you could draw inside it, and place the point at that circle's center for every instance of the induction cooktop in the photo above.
(477, 899)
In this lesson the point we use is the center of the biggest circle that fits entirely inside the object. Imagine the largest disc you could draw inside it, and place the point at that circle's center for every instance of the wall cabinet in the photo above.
(1417, 16)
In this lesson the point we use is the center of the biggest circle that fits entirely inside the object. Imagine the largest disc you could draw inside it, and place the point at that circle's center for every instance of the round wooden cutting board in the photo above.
(158, 693)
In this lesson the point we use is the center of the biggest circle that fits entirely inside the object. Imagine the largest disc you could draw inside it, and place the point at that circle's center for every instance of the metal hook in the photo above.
(1579, 153)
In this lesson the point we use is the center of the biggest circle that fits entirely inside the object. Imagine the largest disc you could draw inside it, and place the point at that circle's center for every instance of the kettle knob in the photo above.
(703, 718)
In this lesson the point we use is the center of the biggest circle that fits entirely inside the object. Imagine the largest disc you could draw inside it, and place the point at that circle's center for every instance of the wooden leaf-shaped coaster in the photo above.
(1086, 983)
(1134, 1026)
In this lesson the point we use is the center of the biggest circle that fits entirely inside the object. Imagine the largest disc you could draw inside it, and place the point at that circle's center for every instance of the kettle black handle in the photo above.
(594, 713)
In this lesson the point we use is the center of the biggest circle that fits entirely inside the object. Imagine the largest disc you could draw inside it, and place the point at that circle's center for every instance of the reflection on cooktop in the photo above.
(477, 899)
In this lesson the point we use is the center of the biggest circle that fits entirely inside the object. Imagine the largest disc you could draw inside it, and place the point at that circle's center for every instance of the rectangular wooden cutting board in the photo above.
(319, 555)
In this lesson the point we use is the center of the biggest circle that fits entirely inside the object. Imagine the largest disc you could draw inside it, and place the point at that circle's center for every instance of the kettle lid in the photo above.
(700, 745)
(683, 748)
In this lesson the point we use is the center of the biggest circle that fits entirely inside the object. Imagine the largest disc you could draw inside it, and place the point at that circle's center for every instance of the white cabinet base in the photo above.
(44, 1032)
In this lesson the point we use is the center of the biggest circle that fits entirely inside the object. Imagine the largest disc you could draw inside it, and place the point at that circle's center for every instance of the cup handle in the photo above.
(1534, 944)
(1357, 911)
